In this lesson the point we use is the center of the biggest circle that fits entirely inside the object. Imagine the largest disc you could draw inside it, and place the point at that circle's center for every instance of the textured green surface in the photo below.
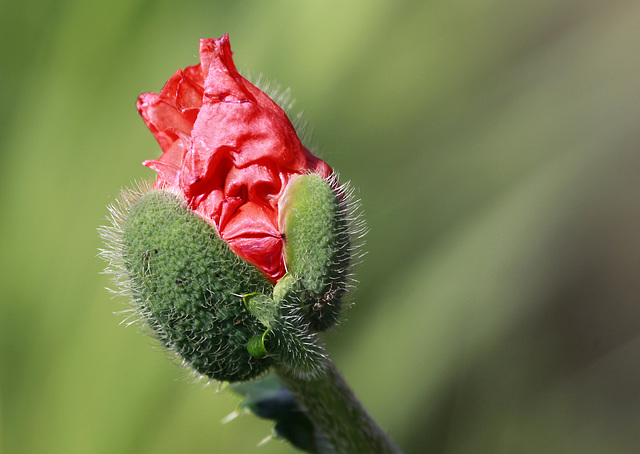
(340, 421)
(318, 250)
(188, 284)
(289, 339)
(297, 347)
(494, 145)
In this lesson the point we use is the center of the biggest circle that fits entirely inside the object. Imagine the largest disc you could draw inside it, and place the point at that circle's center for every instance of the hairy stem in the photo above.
(340, 420)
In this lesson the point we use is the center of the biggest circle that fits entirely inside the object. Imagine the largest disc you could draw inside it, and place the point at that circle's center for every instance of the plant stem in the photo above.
(339, 419)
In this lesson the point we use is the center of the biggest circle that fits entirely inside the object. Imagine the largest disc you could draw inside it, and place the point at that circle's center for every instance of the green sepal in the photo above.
(256, 345)
(186, 282)
(317, 247)
(297, 348)
(262, 307)
(289, 339)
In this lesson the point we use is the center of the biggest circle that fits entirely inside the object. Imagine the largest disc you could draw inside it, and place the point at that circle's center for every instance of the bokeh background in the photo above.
(496, 148)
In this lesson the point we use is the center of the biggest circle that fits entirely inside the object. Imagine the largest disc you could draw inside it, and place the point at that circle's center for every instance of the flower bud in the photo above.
(240, 252)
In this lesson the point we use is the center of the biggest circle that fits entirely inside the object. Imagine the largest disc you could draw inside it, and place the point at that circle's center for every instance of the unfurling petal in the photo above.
(229, 150)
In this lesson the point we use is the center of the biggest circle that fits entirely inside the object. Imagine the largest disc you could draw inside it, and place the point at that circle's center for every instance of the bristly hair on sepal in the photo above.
(298, 349)
(323, 240)
(122, 287)
(356, 228)
(112, 252)
(184, 283)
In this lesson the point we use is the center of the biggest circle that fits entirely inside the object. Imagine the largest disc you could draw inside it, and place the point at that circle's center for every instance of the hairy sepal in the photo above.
(288, 338)
(187, 284)
(318, 247)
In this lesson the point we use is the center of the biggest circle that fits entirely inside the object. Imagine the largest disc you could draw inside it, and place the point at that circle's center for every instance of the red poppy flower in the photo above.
(229, 150)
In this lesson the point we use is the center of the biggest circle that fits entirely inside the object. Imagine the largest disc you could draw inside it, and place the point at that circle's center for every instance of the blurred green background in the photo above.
(496, 148)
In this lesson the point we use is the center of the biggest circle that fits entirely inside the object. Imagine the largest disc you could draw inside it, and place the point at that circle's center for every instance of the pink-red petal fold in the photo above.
(229, 150)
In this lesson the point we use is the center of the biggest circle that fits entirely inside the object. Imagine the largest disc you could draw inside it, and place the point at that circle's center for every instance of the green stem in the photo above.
(338, 417)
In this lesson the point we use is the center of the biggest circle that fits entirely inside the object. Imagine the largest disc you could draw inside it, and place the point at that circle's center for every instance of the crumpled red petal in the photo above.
(230, 150)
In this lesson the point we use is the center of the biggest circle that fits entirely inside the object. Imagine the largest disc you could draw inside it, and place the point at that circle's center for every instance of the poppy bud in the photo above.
(240, 252)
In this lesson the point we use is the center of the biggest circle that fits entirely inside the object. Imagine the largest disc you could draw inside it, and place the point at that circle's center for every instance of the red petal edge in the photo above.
(229, 150)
